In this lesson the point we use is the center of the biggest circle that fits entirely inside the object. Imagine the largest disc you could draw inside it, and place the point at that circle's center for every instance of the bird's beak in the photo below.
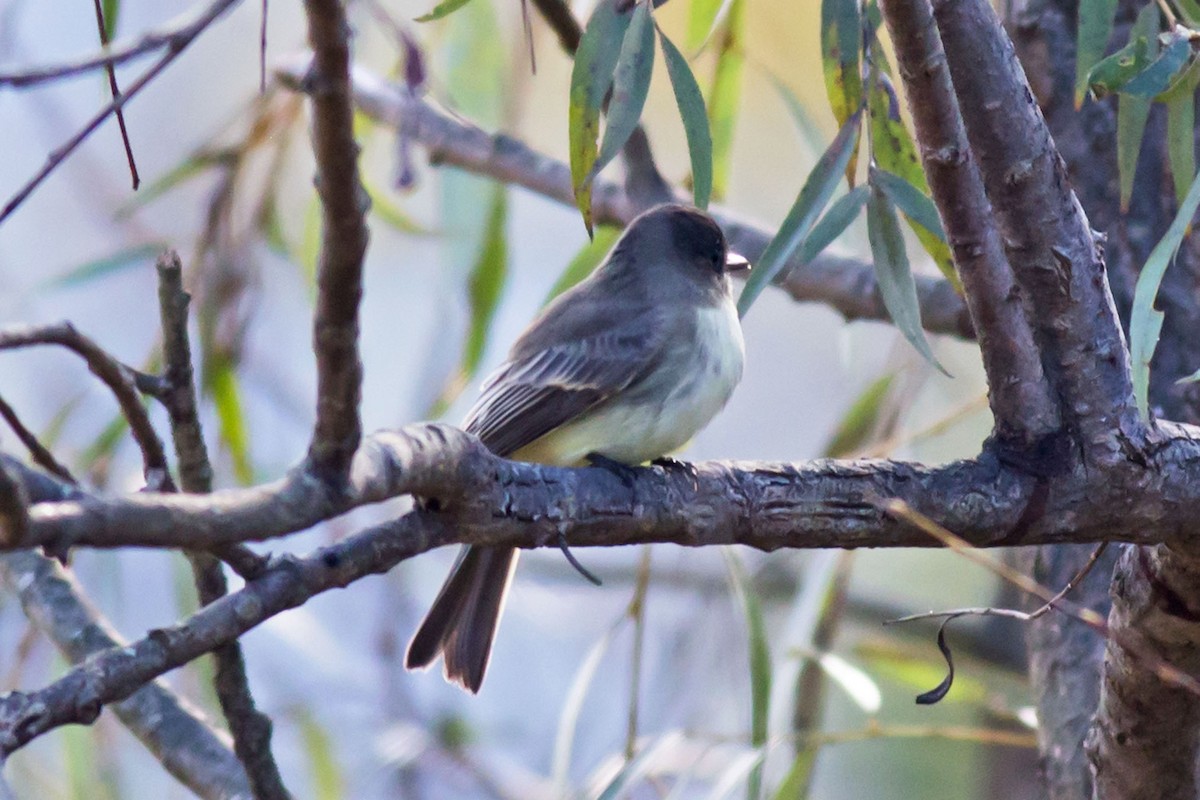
(736, 263)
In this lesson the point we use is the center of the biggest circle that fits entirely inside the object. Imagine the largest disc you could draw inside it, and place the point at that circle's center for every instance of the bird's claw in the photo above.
(624, 473)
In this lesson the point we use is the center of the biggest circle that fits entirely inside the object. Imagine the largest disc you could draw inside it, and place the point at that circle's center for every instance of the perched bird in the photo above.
(624, 368)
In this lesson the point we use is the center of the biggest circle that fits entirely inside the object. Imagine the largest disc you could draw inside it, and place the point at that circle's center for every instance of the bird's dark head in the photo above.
(690, 236)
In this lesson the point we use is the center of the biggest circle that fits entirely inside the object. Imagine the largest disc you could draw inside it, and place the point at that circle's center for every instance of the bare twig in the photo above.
(178, 43)
(37, 451)
(116, 92)
(120, 379)
(251, 728)
(175, 35)
(344, 202)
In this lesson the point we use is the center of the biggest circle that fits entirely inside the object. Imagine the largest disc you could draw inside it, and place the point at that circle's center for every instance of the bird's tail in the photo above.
(462, 622)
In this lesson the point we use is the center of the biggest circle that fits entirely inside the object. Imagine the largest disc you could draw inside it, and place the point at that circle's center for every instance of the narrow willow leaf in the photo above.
(1118, 69)
(190, 167)
(326, 779)
(760, 660)
(123, 259)
(391, 214)
(591, 78)
(1180, 100)
(586, 260)
(1132, 112)
(859, 421)
(572, 707)
(639, 765)
(111, 9)
(892, 271)
(1145, 321)
(702, 18)
(836, 219)
(1171, 61)
(222, 385)
(858, 685)
(894, 151)
(1094, 29)
(799, 777)
(915, 205)
(810, 131)
(725, 94)
(818, 188)
(841, 55)
(442, 9)
(631, 84)
(695, 120)
(1190, 11)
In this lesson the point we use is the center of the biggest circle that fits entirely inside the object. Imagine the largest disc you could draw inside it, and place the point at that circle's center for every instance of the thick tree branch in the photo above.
(196, 755)
(251, 728)
(1150, 499)
(1050, 246)
(344, 204)
(1022, 404)
(845, 284)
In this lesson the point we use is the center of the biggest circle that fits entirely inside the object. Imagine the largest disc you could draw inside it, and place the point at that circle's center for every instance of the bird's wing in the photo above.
(539, 390)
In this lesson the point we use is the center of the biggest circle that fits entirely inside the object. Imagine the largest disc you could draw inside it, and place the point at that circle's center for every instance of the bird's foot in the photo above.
(668, 463)
(625, 473)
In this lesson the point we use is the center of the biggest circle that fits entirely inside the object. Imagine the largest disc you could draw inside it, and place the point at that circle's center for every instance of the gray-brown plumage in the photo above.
(628, 365)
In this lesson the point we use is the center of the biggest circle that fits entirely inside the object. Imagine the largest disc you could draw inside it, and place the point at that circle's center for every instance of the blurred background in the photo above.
(227, 181)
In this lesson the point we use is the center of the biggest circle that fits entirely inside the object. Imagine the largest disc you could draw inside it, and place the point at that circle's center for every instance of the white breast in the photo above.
(669, 407)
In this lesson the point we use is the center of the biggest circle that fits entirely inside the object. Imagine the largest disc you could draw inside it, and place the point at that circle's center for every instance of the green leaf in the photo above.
(818, 188)
(631, 84)
(1132, 112)
(442, 9)
(841, 55)
(1154, 79)
(1113, 72)
(486, 282)
(111, 9)
(639, 765)
(894, 274)
(858, 422)
(191, 167)
(760, 660)
(695, 119)
(585, 261)
(1180, 100)
(327, 780)
(725, 93)
(857, 685)
(591, 78)
(796, 783)
(915, 205)
(810, 132)
(835, 221)
(222, 385)
(1094, 29)
(1190, 11)
(138, 255)
(310, 243)
(1145, 321)
(894, 151)
(702, 16)
(391, 214)
(572, 706)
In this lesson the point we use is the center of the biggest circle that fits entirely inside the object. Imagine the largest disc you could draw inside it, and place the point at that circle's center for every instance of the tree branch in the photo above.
(1022, 405)
(196, 755)
(251, 728)
(1049, 242)
(344, 204)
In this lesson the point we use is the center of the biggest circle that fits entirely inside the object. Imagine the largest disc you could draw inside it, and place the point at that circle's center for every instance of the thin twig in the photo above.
(175, 35)
(251, 728)
(37, 451)
(178, 44)
(116, 92)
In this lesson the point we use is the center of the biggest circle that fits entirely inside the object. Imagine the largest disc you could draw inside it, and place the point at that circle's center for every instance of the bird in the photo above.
(623, 368)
